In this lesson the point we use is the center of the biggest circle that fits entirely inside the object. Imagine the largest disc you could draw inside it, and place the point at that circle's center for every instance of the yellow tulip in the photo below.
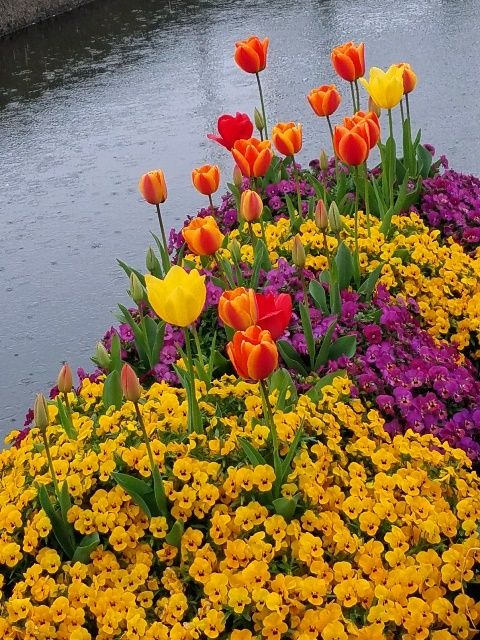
(178, 298)
(385, 87)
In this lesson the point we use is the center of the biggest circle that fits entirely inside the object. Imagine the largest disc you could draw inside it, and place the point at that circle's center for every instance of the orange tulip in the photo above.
(65, 379)
(206, 179)
(365, 124)
(253, 353)
(409, 77)
(348, 60)
(324, 100)
(251, 206)
(130, 384)
(351, 146)
(287, 138)
(251, 54)
(238, 308)
(253, 156)
(153, 187)
(203, 236)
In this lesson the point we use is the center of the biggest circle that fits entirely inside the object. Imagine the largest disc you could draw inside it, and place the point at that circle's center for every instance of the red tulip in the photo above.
(231, 129)
(274, 312)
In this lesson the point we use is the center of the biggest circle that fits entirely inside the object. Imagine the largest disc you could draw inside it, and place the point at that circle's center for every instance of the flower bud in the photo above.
(237, 176)
(251, 206)
(40, 412)
(298, 252)
(373, 107)
(259, 121)
(323, 160)
(65, 379)
(136, 292)
(153, 265)
(131, 387)
(321, 216)
(102, 357)
(234, 248)
(334, 219)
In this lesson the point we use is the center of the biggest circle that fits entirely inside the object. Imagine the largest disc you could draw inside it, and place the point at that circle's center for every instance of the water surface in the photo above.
(91, 100)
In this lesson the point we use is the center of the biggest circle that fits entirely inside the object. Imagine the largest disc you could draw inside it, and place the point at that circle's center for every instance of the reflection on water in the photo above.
(91, 100)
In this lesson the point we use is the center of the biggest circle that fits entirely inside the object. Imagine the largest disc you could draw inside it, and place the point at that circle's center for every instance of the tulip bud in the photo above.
(40, 412)
(334, 219)
(131, 387)
(251, 206)
(153, 265)
(373, 107)
(259, 121)
(234, 248)
(136, 292)
(237, 176)
(321, 216)
(65, 379)
(323, 160)
(298, 252)
(102, 357)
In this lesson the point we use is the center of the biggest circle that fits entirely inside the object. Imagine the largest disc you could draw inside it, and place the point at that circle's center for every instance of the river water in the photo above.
(93, 99)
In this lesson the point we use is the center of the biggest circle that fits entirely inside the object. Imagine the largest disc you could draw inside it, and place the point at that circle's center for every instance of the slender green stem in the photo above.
(408, 107)
(191, 373)
(262, 103)
(327, 250)
(162, 229)
(401, 111)
(212, 208)
(264, 237)
(333, 147)
(67, 404)
(222, 273)
(146, 439)
(50, 463)
(358, 95)
(357, 254)
(301, 275)
(367, 196)
(271, 422)
(353, 97)
(198, 346)
(392, 159)
(253, 237)
(297, 186)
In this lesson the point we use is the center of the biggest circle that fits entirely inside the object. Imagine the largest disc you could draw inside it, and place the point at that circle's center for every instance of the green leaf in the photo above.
(287, 461)
(112, 391)
(425, 160)
(322, 356)
(253, 456)
(174, 536)
(65, 419)
(367, 287)
(291, 357)
(87, 546)
(116, 353)
(157, 344)
(62, 531)
(286, 507)
(129, 270)
(308, 333)
(335, 298)
(344, 262)
(318, 294)
(138, 490)
(344, 346)
(315, 393)
(381, 205)
(281, 381)
(261, 261)
(159, 490)
(64, 500)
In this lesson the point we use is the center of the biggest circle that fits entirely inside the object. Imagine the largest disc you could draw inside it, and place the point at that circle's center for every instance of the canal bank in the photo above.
(18, 14)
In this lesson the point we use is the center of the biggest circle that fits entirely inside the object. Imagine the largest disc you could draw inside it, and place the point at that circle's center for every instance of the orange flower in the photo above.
(203, 236)
(238, 308)
(348, 61)
(153, 187)
(365, 124)
(251, 54)
(324, 100)
(253, 353)
(131, 388)
(206, 179)
(287, 138)
(409, 77)
(251, 206)
(253, 156)
(351, 146)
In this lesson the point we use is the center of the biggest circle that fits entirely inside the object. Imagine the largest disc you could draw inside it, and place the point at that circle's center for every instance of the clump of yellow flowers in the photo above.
(380, 543)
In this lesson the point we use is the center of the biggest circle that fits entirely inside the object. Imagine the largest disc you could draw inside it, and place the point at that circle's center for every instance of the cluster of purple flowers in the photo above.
(451, 202)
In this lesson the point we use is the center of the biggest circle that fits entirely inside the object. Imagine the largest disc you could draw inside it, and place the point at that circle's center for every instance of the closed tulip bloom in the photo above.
(321, 215)
(203, 236)
(251, 206)
(409, 77)
(385, 87)
(366, 124)
(179, 297)
(130, 384)
(231, 129)
(253, 156)
(238, 308)
(298, 252)
(206, 179)
(324, 100)
(350, 145)
(153, 187)
(348, 60)
(40, 412)
(274, 312)
(65, 379)
(287, 138)
(251, 54)
(253, 353)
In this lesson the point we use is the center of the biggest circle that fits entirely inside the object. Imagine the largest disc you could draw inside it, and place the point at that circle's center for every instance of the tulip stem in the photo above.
(367, 196)
(267, 408)
(392, 158)
(191, 374)
(212, 208)
(67, 404)
(262, 103)
(164, 237)
(198, 346)
(353, 97)
(358, 95)
(253, 237)
(401, 111)
(408, 107)
(145, 437)
(296, 174)
(50, 462)
(334, 152)
(301, 275)
(327, 250)
(221, 271)
(264, 237)
(357, 255)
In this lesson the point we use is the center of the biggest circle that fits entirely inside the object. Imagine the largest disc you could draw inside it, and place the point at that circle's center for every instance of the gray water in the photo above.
(93, 99)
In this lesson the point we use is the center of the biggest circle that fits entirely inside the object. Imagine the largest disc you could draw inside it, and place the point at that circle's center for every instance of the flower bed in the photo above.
(281, 438)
